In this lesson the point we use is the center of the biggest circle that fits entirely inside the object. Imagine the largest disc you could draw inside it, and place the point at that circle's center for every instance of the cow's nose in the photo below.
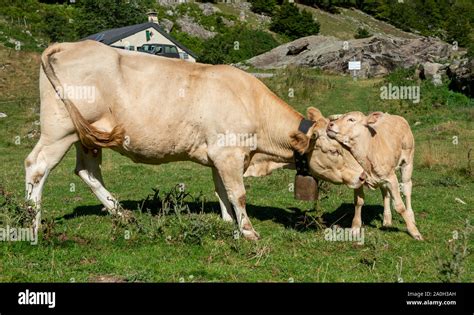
(363, 177)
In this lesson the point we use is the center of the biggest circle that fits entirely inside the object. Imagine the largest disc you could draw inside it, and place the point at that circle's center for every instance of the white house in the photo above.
(133, 36)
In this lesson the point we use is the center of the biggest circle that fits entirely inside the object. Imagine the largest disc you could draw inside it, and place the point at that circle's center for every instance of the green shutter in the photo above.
(148, 36)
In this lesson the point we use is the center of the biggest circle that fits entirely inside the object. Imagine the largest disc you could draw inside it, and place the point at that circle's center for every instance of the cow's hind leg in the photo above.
(88, 169)
(221, 193)
(230, 166)
(39, 163)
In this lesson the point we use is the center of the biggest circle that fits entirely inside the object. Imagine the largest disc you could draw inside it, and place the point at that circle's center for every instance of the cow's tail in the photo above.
(89, 135)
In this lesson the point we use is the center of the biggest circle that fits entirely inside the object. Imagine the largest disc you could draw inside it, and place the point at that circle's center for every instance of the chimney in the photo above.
(152, 17)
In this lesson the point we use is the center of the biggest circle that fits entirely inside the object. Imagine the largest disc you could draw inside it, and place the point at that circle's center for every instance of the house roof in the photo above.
(111, 36)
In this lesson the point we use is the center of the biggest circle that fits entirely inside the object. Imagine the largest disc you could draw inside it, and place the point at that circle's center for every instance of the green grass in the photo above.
(344, 25)
(81, 243)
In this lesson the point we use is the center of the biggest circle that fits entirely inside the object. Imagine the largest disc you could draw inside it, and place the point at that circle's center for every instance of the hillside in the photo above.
(345, 24)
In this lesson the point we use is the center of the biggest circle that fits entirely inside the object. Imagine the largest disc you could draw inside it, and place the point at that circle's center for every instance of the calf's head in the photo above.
(328, 159)
(348, 128)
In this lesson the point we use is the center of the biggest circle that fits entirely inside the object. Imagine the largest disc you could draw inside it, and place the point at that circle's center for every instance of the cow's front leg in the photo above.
(230, 167)
(221, 193)
(358, 203)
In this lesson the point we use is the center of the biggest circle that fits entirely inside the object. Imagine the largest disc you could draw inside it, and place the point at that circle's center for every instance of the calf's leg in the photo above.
(387, 213)
(406, 171)
(358, 203)
(393, 188)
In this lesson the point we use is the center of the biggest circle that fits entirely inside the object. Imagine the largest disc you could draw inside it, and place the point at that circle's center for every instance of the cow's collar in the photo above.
(301, 160)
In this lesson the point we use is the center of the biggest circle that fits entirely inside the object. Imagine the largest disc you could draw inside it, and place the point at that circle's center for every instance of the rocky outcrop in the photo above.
(433, 71)
(461, 74)
(166, 24)
(379, 54)
(207, 8)
(188, 25)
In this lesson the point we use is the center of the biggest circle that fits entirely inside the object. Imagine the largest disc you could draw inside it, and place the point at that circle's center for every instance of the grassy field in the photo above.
(177, 236)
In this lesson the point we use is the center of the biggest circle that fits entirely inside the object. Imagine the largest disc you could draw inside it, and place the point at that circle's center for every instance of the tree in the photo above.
(57, 27)
(237, 44)
(263, 6)
(95, 16)
(458, 27)
(291, 22)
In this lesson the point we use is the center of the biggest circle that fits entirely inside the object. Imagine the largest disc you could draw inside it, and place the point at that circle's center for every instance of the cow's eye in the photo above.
(351, 120)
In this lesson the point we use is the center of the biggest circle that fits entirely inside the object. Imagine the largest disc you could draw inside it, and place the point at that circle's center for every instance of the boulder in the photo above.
(461, 74)
(296, 50)
(166, 24)
(207, 8)
(188, 25)
(430, 69)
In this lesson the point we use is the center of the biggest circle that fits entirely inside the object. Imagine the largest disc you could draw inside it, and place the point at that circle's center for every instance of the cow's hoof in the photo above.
(387, 223)
(355, 232)
(418, 237)
(251, 235)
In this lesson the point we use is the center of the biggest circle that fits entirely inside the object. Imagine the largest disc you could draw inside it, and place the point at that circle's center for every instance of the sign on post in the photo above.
(354, 65)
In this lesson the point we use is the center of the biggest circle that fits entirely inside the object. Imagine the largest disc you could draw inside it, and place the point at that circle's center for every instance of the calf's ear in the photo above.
(374, 117)
(314, 114)
(299, 142)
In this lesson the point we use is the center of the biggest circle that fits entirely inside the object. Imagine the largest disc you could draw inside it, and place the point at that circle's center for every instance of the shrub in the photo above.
(291, 22)
(236, 45)
(362, 33)
(263, 6)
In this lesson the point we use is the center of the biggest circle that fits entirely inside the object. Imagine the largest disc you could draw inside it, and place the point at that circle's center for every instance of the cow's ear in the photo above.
(299, 142)
(313, 114)
(374, 117)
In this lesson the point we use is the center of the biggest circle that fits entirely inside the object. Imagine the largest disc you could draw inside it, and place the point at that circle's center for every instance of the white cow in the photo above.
(157, 110)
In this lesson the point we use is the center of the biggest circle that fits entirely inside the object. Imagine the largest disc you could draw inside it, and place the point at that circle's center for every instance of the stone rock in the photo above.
(437, 79)
(244, 6)
(3, 115)
(461, 74)
(430, 69)
(166, 24)
(228, 23)
(296, 50)
(207, 8)
(189, 26)
(379, 55)
(263, 19)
